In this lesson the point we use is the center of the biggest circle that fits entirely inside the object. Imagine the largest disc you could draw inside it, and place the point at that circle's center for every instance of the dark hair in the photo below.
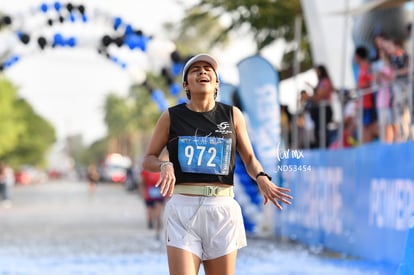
(361, 52)
(323, 72)
(185, 76)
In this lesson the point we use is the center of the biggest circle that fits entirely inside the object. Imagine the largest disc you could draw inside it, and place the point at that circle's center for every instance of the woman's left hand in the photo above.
(274, 193)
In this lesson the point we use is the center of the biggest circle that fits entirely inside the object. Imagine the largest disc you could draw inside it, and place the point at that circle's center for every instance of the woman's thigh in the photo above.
(224, 265)
(182, 262)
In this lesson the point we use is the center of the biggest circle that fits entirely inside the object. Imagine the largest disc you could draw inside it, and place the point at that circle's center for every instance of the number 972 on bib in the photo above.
(206, 155)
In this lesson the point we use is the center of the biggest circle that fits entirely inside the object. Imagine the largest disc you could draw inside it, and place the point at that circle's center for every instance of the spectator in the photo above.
(382, 76)
(399, 61)
(286, 123)
(379, 42)
(321, 108)
(6, 181)
(305, 123)
(350, 118)
(364, 81)
(93, 178)
(130, 181)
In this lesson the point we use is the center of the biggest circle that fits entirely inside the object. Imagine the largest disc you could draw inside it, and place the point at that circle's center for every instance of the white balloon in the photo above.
(8, 41)
(137, 75)
(159, 53)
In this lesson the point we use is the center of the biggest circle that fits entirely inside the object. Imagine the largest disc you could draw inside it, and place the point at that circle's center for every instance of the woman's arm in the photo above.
(157, 143)
(152, 161)
(268, 189)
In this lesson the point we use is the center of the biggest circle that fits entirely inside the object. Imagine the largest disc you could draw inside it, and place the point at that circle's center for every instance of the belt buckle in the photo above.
(211, 191)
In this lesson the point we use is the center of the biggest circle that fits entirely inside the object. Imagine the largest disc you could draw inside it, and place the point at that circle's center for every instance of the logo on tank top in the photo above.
(223, 128)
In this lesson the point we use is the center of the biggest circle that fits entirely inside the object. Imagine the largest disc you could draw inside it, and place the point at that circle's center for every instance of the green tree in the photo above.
(129, 120)
(33, 143)
(267, 20)
(10, 125)
(198, 31)
(117, 115)
(129, 117)
(146, 112)
(95, 153)
(25, 137)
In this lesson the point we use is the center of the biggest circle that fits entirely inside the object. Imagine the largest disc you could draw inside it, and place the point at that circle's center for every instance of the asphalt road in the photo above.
(62, 218)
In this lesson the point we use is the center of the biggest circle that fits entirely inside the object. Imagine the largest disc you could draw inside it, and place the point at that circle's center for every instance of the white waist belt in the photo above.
(208, 191)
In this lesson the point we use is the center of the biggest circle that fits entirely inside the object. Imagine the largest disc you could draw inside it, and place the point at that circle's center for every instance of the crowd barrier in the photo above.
(407, 265)
(357, 201)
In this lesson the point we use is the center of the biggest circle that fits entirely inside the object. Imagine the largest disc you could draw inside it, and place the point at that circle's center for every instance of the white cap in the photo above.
(200, 57)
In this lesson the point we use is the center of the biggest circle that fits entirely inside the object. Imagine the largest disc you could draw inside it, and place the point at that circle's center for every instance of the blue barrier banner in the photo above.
(258, 92)
(354, 201)
(226, 93)
(259, 100)
(407, 265)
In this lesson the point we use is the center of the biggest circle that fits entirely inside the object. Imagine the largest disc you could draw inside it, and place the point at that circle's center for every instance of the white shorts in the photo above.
(209, 227)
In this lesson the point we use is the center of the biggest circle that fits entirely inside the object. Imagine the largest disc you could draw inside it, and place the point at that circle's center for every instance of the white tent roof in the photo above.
(372, 5)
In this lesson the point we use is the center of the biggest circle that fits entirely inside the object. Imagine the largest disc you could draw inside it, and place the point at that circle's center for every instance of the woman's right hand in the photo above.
(167, 180)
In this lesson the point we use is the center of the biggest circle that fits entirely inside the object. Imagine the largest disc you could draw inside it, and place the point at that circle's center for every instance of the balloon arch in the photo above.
(120, 34)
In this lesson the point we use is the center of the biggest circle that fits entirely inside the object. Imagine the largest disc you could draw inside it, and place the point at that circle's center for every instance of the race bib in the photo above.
(206, 155)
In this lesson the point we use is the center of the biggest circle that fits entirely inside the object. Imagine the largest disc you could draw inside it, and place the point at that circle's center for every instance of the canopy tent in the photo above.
(372, 5)
(365, 16)
(377, 5)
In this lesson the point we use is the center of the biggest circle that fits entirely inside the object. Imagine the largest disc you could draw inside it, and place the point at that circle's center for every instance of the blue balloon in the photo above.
(44, 7)
(129, 30)
(143, 43)
(175, 89)
(58, 40)
(158, 97)
(176, 68)
(71, 42)
(12, 60)
(119, 62)
(132, 41)
(140, 43)
(16, 58)
(117, 22)
(72, 17)
(57, 6)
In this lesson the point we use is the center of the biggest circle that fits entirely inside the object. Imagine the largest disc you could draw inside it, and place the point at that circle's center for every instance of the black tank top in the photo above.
(202, 145)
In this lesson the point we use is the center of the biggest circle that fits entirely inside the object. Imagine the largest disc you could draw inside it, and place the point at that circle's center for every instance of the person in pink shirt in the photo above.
(321, 109)
(383, 75)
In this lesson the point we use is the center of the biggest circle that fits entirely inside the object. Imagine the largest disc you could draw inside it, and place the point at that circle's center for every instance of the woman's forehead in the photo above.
(200, 64)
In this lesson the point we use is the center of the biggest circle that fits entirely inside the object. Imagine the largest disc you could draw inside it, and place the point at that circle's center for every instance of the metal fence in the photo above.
(393, 117)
